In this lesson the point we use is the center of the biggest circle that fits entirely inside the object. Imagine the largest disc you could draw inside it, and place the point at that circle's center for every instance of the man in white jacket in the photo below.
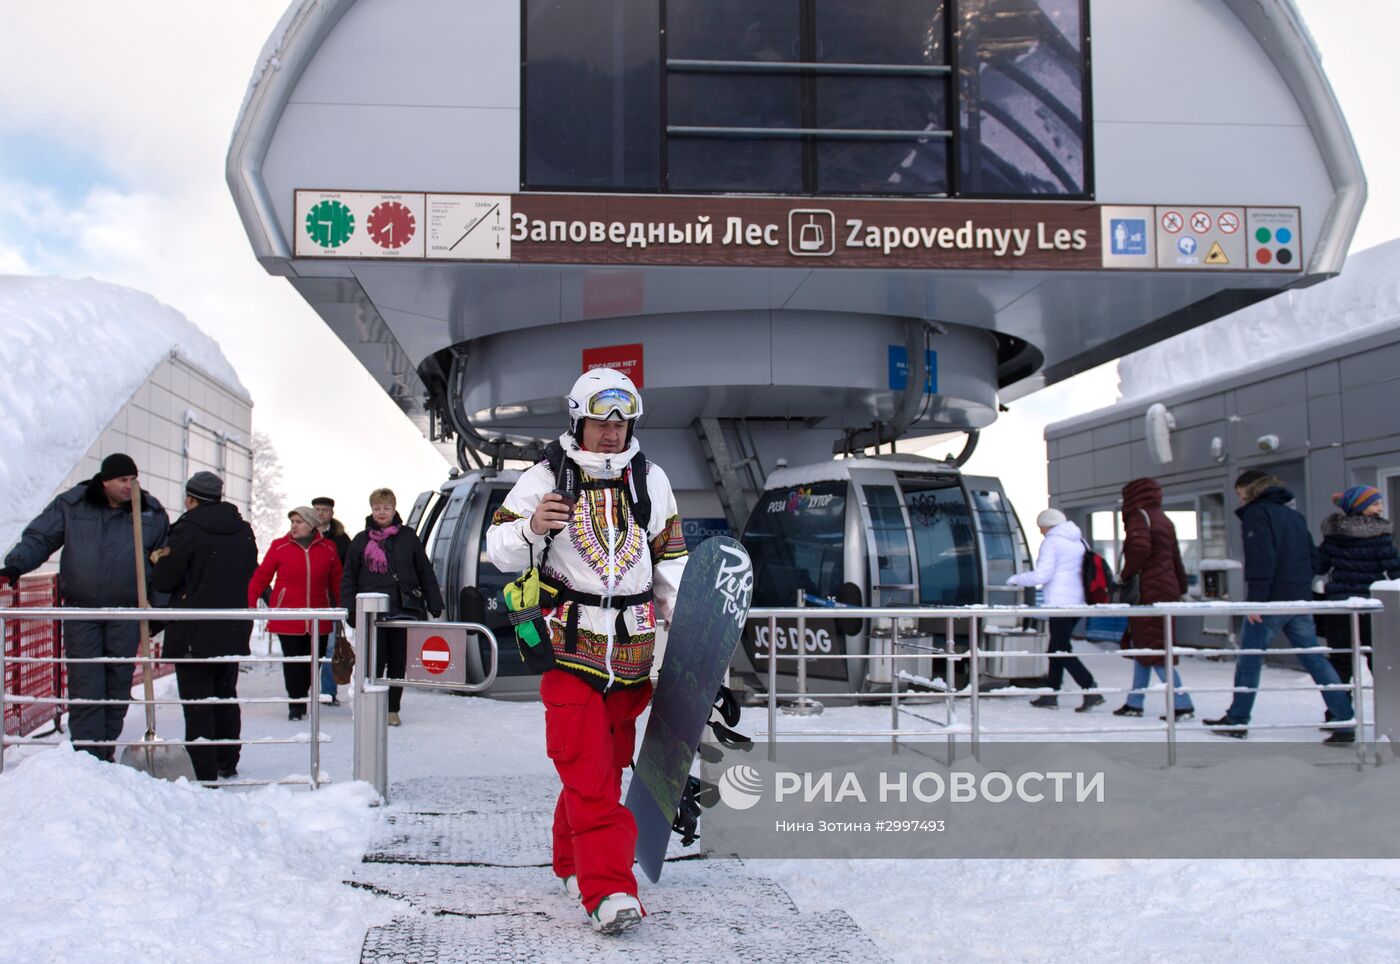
(601, 522)
(1060, 569)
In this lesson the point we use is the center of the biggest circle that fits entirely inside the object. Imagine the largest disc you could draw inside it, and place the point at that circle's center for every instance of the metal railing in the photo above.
(371, 699)
(977, 617)
(64, 613)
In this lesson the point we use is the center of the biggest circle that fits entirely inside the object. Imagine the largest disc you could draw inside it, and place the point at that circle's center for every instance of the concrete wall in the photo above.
(151, 428)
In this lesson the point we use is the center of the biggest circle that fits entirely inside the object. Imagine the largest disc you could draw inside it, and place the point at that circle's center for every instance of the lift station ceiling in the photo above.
(759, 215)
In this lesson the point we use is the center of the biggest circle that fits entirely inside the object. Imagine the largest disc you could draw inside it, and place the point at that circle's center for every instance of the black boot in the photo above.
(1227, 727)
(1091, 700)
(1185, 714)
(1126, 710)
(1046, 702)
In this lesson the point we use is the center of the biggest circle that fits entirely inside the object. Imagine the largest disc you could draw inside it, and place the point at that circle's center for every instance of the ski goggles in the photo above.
(613, 401)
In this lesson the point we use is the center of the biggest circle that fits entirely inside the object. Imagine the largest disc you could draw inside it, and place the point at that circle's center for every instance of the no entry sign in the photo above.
(436, 654)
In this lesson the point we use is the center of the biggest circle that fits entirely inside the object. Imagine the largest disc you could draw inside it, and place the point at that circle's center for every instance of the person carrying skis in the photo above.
(601, 523)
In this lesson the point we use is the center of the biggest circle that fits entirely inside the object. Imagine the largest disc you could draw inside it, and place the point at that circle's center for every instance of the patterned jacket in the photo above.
(601, 551)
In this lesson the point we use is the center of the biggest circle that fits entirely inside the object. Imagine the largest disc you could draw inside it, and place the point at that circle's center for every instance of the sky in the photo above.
(115, 119)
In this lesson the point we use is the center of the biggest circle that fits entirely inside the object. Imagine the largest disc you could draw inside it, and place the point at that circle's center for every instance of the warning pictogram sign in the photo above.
(1173, 221)
(1201, 222)
(1216, 255)
(1229, 222)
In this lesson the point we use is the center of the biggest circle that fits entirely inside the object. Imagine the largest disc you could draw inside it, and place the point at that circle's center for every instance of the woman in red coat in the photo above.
(303, 569)
(1150, 552)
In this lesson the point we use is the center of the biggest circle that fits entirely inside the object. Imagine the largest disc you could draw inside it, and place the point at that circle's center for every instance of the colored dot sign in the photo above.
(1229, 222)
(1172, 221)
(1200, 222)
(435, 655)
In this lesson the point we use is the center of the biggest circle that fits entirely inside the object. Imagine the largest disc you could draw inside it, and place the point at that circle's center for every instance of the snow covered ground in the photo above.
(120, 867)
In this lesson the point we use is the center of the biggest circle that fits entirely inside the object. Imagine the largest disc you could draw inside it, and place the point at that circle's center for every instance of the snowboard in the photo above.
(711, 606)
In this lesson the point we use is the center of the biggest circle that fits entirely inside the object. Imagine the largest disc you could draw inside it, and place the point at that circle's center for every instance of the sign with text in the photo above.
(625, 358)
(436, 654)
(929, 234)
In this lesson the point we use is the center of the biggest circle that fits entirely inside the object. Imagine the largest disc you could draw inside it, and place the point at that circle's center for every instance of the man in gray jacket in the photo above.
(91, 523)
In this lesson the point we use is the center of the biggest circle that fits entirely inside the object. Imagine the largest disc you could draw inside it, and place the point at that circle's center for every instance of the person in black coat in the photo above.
(210, 558)
(388, 557)
(1358, 548)
(1278, 562)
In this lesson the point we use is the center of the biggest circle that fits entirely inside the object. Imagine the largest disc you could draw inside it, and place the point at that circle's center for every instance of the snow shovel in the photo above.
(160, 760)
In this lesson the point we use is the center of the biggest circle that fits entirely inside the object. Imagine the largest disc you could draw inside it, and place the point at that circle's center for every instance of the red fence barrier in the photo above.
(40, 639)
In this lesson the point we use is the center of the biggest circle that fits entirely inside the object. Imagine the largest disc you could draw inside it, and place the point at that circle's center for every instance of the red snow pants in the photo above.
(591, 737)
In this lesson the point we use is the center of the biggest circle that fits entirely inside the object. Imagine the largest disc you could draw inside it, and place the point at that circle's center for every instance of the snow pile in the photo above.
(72, 353)
(122, 867)
(1363, 300)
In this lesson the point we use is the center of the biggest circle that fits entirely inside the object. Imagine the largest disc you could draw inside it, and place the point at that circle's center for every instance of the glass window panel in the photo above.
(944, 543)
(592, 100)
(882, 167)
(724, 30)
(1022, 97)
(734, 100)
(796, 539)
(880, 32)
(891, 540)
(882, 103)
(744, 165)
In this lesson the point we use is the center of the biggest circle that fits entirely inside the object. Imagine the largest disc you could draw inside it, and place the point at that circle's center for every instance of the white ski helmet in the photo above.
(604, 394)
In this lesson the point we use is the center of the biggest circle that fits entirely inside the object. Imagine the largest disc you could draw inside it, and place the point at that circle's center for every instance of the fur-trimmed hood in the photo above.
(1259, 486)
(1356, 526)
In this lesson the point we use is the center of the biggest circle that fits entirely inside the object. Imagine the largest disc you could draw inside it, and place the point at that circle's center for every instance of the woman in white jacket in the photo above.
(1059, 568)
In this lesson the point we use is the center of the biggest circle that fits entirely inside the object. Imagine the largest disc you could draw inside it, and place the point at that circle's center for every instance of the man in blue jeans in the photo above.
(1278, 552)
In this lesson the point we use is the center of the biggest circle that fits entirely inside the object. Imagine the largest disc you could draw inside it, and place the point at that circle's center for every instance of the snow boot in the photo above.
(1091, 700)
(1225, 727)
(393, 720)
(1126, 710)
(617, 913)
(1046, 702)
(1186, 714)
(1341, 738)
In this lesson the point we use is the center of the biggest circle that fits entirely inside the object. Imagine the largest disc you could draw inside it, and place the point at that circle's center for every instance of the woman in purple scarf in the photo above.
(388, 557)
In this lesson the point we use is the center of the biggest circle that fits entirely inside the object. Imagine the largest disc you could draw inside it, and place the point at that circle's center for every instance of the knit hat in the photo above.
(1355, 499)
(324, 500)
(116, 466)
(308, 514)
(1050, 518)
(205, 486)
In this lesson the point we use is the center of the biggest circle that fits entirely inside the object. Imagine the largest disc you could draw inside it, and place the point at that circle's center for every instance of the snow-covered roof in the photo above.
(72, 353)
(1363, 300)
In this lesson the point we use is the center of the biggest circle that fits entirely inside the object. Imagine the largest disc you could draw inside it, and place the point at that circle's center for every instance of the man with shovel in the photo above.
(92, 524)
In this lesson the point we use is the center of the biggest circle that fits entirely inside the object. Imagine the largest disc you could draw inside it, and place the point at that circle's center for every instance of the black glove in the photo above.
(10, 574)
(435, 613)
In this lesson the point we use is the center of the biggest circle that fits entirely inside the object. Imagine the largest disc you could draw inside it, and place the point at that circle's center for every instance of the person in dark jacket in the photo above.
(304, 572)
(329, 527)
(1358, 548)
(388, 557)
(1151, 552)
(91, 523)
(1278, 566)
(207, 565)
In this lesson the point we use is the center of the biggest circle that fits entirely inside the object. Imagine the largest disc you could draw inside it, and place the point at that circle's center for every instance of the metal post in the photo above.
(802, 704)
(772, 688)
(1170, 667)
(1385, 667)
(894, 686)
(371, 705)
(949, 675)
(314, 710)
(1358, 694)
(974, 672)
